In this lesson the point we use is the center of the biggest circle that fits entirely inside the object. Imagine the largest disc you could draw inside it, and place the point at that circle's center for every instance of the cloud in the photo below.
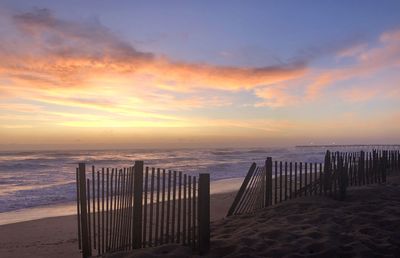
(276, 96)
(81, 74)
(386, 88)
(59, 53)
(352, 50)
(367, 63)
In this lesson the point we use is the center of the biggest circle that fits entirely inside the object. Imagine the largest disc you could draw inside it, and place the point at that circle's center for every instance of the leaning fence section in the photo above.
(277, 181)
(120, 209)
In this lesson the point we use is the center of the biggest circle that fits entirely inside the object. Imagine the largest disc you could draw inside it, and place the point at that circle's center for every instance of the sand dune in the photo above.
(57, 236)
(367, 224)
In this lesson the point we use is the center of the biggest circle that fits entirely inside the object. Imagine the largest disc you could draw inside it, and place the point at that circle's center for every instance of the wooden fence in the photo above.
(139, 207)
(278, 181)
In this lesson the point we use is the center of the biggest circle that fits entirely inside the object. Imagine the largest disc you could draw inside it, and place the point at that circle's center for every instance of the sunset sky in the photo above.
(135, 74)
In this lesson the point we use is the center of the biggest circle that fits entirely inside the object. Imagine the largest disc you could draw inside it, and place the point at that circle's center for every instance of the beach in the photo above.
(366, 224)
(57, 236)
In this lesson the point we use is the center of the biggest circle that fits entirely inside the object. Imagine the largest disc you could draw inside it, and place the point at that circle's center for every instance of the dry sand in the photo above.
(51, 237)
(57, 236)
(367, 224)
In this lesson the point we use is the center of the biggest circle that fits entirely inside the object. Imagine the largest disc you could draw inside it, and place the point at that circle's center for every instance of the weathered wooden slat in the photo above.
(189, 216)
(290, 180)
(305, 178)
(286, 180)
(276, 183)
(112, 194)
(102, 212)
(194, 215)
(94, 207)
(98, 215)
(162, 208)
(78, 209)
(88, 215)
(157, 226)
(263, 192)
(116, 209)
(280, 181)
(184, 210)
(107, 207)
(301, 177)
(295, 180)
(146, 184)
(168, 207)
(128, 209)
(243, 187)
(123, 199)
(310, 192)
(320, 179)
(178, 230)
(315, 178)
(113, 207)
(122, 212)
(268, 182)
(135, 221)
(247, 194)
(173, 231)
(151, 208)
(249, 200)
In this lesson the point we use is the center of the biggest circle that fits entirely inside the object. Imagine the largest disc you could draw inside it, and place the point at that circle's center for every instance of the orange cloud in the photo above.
(56, 53)
(276, 96)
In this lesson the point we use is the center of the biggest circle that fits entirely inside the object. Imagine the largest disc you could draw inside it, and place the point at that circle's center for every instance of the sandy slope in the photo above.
(367, 224)
(57, 236)
(51, 237)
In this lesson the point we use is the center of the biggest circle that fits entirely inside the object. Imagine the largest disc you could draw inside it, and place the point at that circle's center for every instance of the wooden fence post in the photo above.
(327, 172)
(86, 252)
(204, 213)
(268, 181)
(137, 204)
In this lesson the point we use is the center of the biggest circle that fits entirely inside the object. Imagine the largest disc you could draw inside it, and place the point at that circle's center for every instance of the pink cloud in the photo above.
(65, 54)
(368, 63)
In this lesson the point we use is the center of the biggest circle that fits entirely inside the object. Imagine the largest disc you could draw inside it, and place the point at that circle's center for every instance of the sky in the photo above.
(150, 74)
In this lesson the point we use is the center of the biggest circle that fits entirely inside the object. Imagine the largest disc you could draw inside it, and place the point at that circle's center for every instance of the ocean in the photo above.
(39, 179)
